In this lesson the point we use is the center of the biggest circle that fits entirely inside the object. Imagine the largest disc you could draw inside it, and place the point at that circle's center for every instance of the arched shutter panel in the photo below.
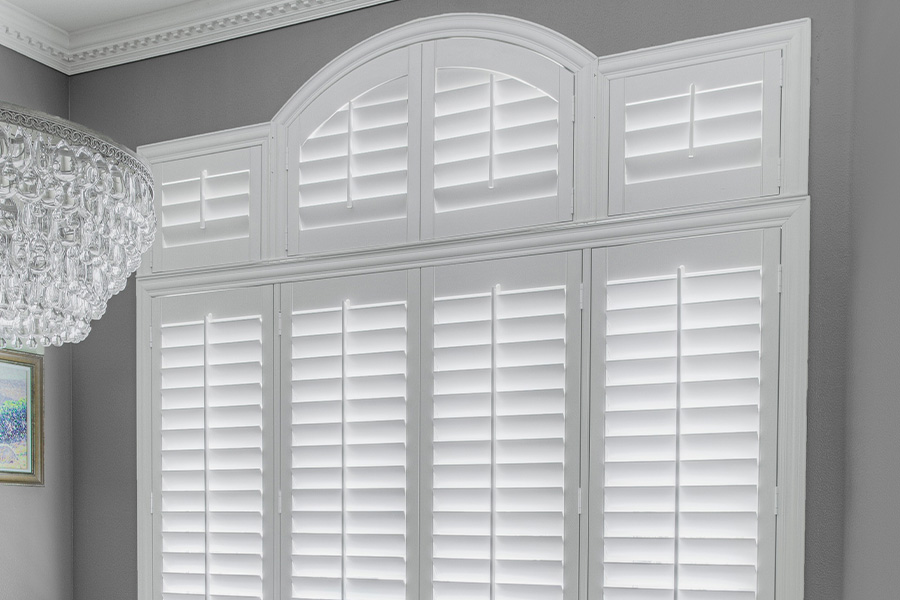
(349, 462)
(502, 428)
(208, 199)
(694, 134)
(213, 415)
(689, 350)
(498, 139)
(349, 172)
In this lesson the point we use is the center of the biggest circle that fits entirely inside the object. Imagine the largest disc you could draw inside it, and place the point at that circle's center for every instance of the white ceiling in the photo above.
(74, 36)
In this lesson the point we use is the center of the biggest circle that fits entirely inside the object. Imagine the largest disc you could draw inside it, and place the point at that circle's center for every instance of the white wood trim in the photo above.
(729, 216)
(182, 27)
(144, 420)
(535, 37)
(791, 521)
(219, 141)
(32, 37)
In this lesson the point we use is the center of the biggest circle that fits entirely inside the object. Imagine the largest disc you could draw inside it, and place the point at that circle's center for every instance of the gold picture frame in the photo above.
(21, 418)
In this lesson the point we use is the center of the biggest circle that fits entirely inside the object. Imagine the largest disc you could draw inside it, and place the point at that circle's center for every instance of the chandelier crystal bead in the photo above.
(76, 213)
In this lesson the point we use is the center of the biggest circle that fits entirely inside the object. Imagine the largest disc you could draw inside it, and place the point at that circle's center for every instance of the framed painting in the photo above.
(21, 418)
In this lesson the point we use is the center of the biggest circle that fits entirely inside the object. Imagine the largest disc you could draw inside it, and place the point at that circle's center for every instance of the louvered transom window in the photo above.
(499, 440)
(694, 134)
(353, 168)
(348, 440)
(211, 455)
(682, 470)
(208, 209)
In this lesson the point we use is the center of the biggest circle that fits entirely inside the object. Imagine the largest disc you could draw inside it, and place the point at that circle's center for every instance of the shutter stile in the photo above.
(212, 477)
(499, 415)
(349, 451)
(682, 436)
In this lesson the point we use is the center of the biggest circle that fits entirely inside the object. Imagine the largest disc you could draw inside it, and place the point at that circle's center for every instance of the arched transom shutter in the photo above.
(439, 139)
(352, 146)
(499, 140)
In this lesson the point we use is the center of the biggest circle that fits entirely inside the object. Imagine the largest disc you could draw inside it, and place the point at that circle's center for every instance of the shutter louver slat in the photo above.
(349, 451)
(499, 444)
(212, 458)
(682, 436)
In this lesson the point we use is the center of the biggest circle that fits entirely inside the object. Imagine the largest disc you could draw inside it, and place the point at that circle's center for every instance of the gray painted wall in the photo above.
(246, 81)
(29, 83)
(36, 521)
(873, 398)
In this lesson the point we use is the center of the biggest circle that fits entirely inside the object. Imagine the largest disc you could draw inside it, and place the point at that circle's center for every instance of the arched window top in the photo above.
(497, 28)
(442, 127)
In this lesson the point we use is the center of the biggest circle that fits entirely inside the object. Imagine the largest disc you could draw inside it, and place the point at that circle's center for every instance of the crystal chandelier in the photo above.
(76, 213)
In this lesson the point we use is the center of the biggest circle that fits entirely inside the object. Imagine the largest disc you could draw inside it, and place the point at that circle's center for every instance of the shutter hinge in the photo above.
(573, 106)
(150, 337)
(151, 503)
(279, 502)
(780, 278)
(579, 501)
(776, 499)
(581, 296)
(279, 324)
(287, 155)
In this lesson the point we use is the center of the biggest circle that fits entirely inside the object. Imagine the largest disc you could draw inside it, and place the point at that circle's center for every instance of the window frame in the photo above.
(789, 212)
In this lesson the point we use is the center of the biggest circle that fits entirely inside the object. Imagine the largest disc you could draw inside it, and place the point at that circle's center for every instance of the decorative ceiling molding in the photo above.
(173, 30)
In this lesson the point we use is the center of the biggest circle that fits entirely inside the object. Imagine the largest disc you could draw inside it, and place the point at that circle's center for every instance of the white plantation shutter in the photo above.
(214, 479)
(686, 480)
(695, 134)
(502, 429)
(498, 125)
(350, 185)
(348, 357)
(208, 206)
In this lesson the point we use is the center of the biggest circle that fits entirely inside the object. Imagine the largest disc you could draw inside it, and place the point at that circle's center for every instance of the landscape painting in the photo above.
(21, 416)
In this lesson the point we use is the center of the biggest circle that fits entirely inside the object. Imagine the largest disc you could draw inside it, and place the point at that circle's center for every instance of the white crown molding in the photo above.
(180, 28)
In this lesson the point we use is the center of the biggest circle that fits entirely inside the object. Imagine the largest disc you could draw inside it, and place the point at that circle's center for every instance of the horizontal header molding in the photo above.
(180, 28)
